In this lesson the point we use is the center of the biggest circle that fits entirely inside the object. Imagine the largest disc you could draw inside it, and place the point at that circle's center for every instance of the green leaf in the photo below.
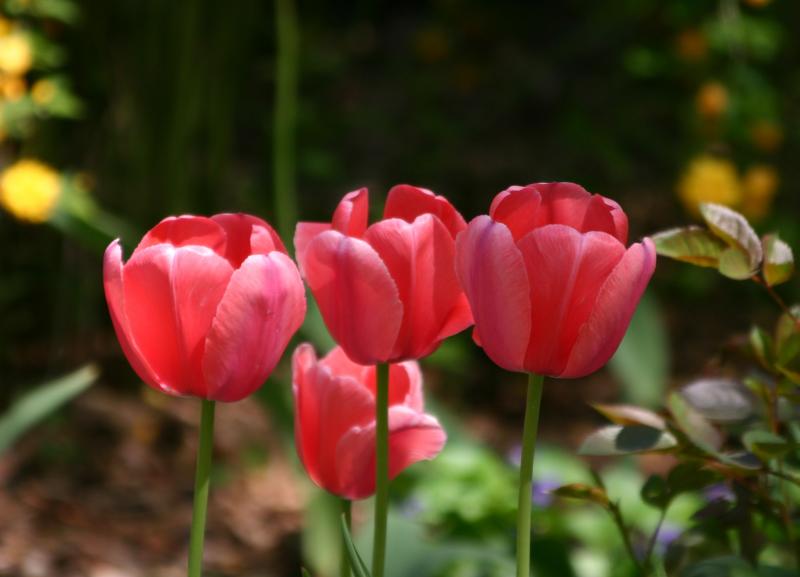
(687, 477)
(321, 543)
(304, 572)
(35, 406)
(356, 563)
(630, 415)
(778, 260)
(719, 567)
(692, 244)
(722, 400)
(734, 230)
(763, 347)
(694, 425)
(641, 363)
(786, 327)
(583, 492)
(655, 492)
(765, 444)
(624, 440)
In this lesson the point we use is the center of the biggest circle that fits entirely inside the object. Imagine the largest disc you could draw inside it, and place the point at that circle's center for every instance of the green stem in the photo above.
(201, 483)
(285, 112)
(381, 468)
(619, 522)
(526, 474)
(345, 560)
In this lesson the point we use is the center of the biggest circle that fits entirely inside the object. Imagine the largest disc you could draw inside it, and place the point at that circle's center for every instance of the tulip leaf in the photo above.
(765, 444)
(36, 405)
(733, 228)
(630, 415)
(692, 244)
(722, 400)
(625, 440)
(356, 563)
(583, 492)
(778, 260)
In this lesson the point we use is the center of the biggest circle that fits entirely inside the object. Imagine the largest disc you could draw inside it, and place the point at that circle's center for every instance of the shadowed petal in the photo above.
(356, 296)
(246, 235)
(304, 233)
(184, 231)
(263, 307)
(517, 207)
(492, 273)
(352, 214)
(616, 301)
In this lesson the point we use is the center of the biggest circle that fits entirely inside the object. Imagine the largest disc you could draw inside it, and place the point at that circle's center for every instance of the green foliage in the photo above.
(624, 440)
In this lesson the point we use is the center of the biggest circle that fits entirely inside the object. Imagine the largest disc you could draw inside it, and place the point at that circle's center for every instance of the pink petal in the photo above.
(492, 272)
(518, 208)
(326, 407)
(185, 231)
(413, 437)
(246, 235)
(420, 257)
(405, 384)
(171, 295)
(566, 269)
(356, 296)
(352, 214)
(570, 204)
(304, 233)
(115, 297)
(407, 202)
(616, 302)
(263, 307)
(340, 365)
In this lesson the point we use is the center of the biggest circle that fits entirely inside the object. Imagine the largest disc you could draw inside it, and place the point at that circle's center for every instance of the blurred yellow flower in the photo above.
(5, 26)
(43, 91)
(766, 135)
(691, 45)
(16, 54)
(760, 182)
(709, 179)
(12, 87)
(712, 100)
(30, 190)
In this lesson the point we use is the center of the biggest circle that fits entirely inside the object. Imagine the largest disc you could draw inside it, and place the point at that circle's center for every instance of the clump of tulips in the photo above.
(205, 307)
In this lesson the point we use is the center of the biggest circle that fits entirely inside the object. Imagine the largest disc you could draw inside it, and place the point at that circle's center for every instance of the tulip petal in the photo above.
(326, 407)
(304, 233)
(171, 295)
(338, 363)
(262, 308)
(492, 272)
(351, 216)
(413, 437)
(407, 202)
(115, 296)
(246, 235)
(616, 302)
(518, 208)
(570, 204)
(184, 231)
(405, 384)
(567, 269)
(420, 257)
(356, 295)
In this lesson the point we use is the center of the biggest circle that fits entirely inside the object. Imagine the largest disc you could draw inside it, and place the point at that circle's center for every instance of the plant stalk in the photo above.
(381, 468)
(529, 433)
(201, 486)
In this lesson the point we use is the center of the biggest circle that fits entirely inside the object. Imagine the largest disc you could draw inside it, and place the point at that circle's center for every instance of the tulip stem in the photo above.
(345, 560)
(201, 484)
(381, 468)
(526, 474)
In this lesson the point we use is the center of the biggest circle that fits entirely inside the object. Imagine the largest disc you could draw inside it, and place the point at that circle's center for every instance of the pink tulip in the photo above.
(551, 284)
(387, 292)
(205, 306)
(335, 421)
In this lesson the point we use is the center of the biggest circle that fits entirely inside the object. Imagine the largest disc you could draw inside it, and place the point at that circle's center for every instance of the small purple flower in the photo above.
(719, 492)
(541, 492)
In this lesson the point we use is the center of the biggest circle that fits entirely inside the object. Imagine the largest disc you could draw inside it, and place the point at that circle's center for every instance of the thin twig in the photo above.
(616, 516)
(776, 297)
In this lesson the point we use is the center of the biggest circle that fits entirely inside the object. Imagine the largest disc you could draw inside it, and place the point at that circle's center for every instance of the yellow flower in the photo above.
(712, 100)
(5, 26)
(12, 87)
(30, 190)
(709, 179)
(43, 91)
(760, 182)
(16, 54)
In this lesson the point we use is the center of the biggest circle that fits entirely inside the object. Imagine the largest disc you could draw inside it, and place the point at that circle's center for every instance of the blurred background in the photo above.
(114, 115)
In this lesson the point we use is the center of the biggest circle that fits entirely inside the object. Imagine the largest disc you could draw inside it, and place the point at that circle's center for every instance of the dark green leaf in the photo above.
(765, 444)
(41, 402)
(655, 492)
(583, 492)
(304, 572)
(687, 477)
(623, 440)
(720, 567)
(762, 346)
(778, 260)
(691, 244)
